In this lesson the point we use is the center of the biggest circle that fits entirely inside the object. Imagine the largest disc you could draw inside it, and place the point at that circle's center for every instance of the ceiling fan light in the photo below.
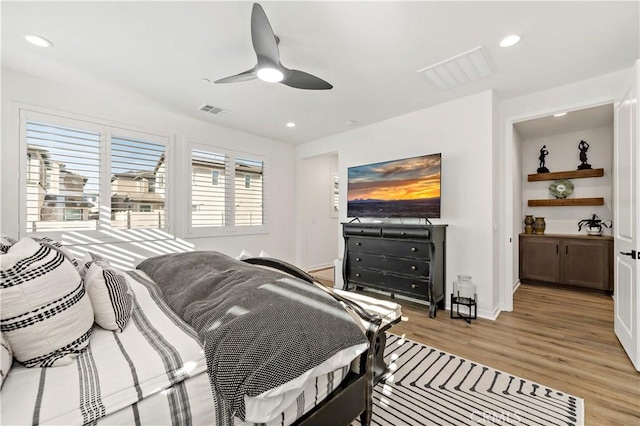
(270, 75)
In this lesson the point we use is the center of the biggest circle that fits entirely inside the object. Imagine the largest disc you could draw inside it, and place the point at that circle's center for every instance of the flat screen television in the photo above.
(407, 188)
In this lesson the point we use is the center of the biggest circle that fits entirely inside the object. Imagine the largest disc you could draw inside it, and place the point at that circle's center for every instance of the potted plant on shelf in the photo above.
(594, 225)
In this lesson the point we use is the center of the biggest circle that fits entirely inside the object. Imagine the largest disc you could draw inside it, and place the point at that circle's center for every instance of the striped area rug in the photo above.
(426, 386)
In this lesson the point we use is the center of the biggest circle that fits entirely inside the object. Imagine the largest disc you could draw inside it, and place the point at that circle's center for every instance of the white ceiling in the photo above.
(158, 53)
(573, 121)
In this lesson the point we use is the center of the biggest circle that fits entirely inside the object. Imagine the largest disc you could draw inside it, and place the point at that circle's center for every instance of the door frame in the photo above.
(508, 250)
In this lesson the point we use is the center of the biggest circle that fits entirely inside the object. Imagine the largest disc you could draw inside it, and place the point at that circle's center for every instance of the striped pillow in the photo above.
(110, 294)
(6, 360)
(46, 314)
(57, 245)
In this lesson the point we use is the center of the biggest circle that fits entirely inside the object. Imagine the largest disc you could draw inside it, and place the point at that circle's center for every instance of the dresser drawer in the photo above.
(417, 234)
(414, 267)
(365, 231)
(389, 282)
(410, 249)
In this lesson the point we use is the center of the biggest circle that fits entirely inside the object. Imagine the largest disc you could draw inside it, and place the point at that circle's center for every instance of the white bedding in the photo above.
(154, 372)
(155, 351)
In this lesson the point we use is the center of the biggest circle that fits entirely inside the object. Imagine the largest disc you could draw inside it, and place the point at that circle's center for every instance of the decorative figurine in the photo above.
(594, 225)
(583, 146)
(543, 153)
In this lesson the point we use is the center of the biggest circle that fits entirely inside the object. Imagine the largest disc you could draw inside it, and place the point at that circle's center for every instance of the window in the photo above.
(211, 199)
(63, 176)
(135, 163)
(72, 185)
(228, 189)
(249, 198)
(335, 194)
(72, 214)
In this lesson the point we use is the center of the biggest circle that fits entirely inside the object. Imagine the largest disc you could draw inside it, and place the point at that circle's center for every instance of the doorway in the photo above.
(319, 232)
(561, 134)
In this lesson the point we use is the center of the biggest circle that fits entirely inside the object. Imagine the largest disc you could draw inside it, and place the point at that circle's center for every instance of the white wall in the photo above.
(279, 241)
(320, 237)
(563, 156)
(462, 130)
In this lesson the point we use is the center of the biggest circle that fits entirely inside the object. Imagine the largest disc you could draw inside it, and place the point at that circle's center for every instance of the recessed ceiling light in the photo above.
(560, 114)
(351, 122)
(37, 40)
(291, 124)
(509, 41)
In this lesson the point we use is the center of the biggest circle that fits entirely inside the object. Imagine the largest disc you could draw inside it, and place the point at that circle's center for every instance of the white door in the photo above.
(626, 220)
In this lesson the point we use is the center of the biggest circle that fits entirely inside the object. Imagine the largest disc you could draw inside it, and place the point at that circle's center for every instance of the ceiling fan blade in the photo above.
(264, 41)
(303, 80)
(243, 76)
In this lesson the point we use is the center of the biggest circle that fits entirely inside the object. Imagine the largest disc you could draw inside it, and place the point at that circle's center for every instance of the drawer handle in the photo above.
(414, 286)
(357, 275)
(357, 259)
(358, 244)
(404, 233)
(414, 267)
(414, 249)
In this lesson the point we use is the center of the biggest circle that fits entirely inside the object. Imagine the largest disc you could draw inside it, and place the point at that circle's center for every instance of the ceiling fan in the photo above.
(269, 68)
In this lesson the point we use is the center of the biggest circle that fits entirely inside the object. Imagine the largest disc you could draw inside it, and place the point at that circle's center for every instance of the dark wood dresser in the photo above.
(400, 259)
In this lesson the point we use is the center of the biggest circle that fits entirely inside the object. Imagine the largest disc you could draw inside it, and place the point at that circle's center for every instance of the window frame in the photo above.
(229, 228)
(106, 129)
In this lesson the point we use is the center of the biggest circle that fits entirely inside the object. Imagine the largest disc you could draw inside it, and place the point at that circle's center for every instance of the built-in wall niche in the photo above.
(561, 136)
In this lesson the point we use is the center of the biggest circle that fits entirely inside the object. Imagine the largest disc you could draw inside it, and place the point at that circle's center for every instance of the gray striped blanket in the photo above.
(261, 329)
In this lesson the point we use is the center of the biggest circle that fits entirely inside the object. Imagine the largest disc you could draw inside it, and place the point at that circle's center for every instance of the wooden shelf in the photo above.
(572, 174)
(597, 201)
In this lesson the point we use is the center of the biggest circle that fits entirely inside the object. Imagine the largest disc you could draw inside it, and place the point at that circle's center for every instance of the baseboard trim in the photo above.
(318, 268)
(516, 285)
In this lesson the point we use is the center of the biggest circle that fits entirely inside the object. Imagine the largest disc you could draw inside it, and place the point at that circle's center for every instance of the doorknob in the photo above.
(631, 253)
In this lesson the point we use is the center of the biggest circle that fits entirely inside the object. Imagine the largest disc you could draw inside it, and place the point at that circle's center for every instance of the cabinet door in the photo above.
(587, 264)
(540, 259)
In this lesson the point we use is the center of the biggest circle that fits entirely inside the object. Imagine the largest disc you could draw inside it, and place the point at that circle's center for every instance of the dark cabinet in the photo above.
(573, 260)
(399, 259)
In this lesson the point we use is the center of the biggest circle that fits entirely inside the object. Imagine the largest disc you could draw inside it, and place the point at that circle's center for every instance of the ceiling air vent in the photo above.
(468, 66)
(220, 112)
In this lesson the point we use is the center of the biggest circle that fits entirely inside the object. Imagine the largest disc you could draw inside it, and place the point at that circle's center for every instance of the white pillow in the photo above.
(111, 296)
(244, 254)
(6, 242)
(6, 359)
(46, 314)
(88, 259)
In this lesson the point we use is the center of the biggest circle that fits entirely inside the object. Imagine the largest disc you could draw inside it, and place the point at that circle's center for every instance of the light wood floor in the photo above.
(560, 338)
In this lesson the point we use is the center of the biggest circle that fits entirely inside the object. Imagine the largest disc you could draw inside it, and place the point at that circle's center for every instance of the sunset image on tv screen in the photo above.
(399, 188)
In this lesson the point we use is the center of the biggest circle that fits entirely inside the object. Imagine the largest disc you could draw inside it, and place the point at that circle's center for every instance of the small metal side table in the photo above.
(470, 303)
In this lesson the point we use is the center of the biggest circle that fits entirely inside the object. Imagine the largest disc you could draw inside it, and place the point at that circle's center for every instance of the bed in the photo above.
(158, 370)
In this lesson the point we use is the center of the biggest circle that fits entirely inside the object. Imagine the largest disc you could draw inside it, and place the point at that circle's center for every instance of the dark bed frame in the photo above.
(354, 396)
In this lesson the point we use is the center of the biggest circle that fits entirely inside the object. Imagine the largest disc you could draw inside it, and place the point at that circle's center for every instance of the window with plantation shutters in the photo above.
(209, 200)
(249, 196)
(83, 175)
(137, 201)
(62, 177)
(227, 190)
